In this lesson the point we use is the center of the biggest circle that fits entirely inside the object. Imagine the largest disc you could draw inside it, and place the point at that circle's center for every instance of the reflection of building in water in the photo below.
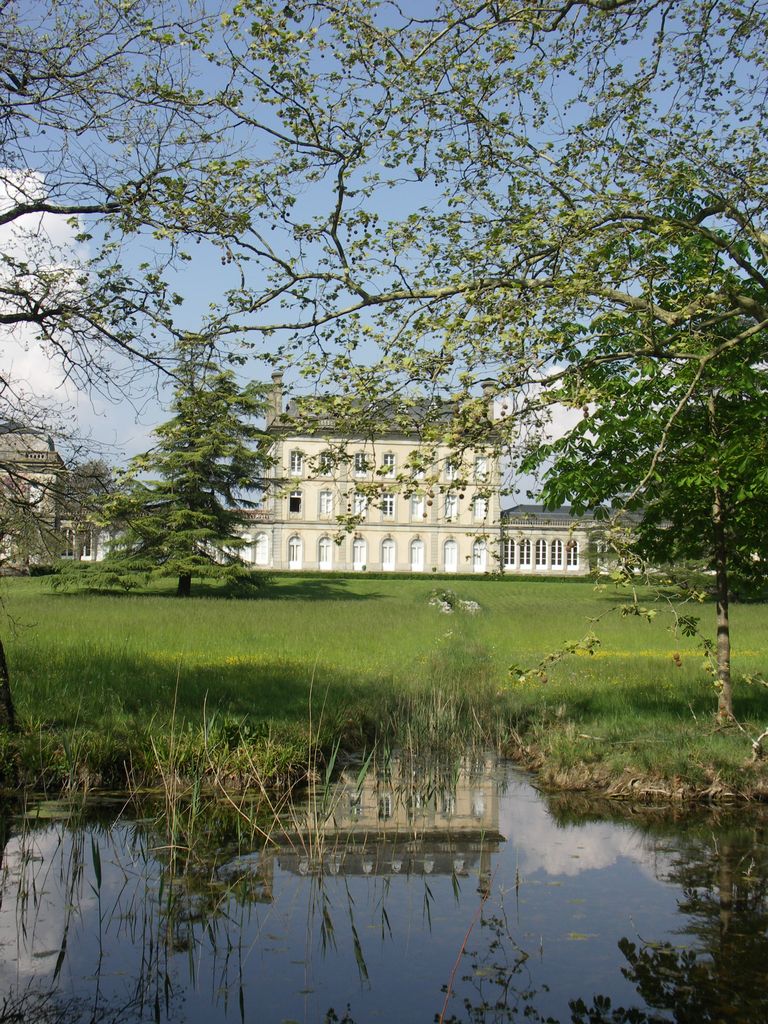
(398, 821)
(399, 799)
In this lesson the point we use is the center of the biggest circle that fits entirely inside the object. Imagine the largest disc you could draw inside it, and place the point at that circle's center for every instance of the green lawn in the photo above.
(101, 681)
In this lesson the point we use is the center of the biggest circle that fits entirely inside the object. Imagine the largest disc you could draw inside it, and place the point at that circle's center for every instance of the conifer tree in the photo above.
(177, 508)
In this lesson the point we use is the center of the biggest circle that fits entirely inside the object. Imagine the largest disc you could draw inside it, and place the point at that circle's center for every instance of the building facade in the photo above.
(387, 504)
(30, 469)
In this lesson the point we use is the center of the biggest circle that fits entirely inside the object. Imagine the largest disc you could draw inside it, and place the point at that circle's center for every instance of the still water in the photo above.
(456, 896)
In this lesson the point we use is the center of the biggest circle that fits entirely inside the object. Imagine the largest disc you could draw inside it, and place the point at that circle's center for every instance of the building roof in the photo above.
(531, 513)
(410, 416)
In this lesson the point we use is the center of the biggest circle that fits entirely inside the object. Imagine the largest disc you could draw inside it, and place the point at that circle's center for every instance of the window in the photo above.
(388, 555)
(525, 552)
(481, 468)
(361, 464)
(507, 552)
(325, 464)
(556, 554)
(479, 556)
(418, 508)
(451, 506)
(261, 549)
(358, 554)
(388, 504)
(296, 463)
(417, 555)
(359, 503)
(451, 470)
(480, 507)
(70, 540)
(294, 502)
(572, 554)
(87, 547)
(389, 464)
(451, 556)
(326, 503)
(294, 553)
(324, 553)
(541, 553)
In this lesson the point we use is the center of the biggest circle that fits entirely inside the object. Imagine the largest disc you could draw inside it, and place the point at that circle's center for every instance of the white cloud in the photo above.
(542, 845)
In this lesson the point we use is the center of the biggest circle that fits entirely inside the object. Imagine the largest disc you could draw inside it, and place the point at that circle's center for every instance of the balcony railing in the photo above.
(258, 515)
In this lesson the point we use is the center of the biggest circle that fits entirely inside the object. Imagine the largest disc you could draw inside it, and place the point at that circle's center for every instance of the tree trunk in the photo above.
(7, 713)
(184, 588)
(723, 649)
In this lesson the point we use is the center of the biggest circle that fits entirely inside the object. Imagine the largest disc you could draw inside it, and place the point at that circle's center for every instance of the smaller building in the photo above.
(536, 541)
(30, 469)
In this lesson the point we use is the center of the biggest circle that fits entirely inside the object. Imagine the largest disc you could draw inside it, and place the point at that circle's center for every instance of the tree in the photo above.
(485, 170)
(208, 456)
(673, 433)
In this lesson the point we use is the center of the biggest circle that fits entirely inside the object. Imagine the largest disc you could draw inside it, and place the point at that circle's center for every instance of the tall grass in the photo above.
(111, 686)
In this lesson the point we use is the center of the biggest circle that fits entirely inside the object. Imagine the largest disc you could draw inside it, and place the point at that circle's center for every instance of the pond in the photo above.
(456, 895)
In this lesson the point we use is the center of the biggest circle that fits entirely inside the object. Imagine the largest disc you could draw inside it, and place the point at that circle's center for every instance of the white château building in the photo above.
(388, 502)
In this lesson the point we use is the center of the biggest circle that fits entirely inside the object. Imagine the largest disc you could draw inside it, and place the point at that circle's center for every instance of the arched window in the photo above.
(388, 555)
(359, 556)
(525, 552)
(541, 553)
(572, 554)
(508, 552)
(261, 549)
(417, 555)
(556, 554)
(325, 553)
(479, 556)
(294, 552)
(451, 556)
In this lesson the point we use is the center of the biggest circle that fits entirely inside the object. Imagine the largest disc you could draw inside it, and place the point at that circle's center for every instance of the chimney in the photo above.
(488, 390)
(275, 399)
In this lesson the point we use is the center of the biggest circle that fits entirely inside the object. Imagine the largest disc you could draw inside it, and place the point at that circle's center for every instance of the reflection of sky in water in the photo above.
(542, 846)
(383, 933)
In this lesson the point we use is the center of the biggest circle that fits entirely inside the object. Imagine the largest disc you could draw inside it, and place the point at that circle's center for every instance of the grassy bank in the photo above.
(114, 687)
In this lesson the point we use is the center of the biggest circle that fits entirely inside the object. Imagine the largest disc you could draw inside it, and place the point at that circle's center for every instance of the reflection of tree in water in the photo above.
(721, 866)
(724, 883)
